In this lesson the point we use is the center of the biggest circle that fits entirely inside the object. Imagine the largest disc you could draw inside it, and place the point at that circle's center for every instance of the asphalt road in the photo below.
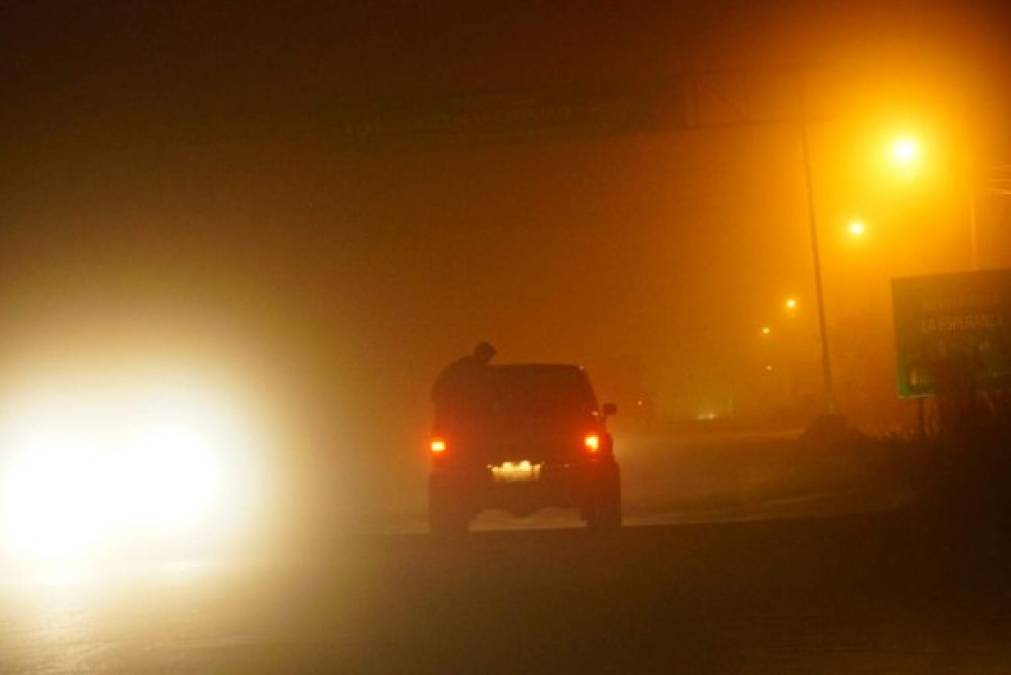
(882, 591)
(837, 595)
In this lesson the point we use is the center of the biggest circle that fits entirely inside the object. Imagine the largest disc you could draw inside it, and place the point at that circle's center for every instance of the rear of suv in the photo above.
(528, 436)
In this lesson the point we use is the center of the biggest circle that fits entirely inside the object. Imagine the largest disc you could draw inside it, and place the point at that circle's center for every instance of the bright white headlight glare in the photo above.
(54, 499)
(77, 473)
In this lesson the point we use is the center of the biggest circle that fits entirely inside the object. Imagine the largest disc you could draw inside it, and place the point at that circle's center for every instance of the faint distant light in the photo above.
(856, 228)
(639, 403)
(766, 330)
(706, 415)
(768, 368)
(791, 303)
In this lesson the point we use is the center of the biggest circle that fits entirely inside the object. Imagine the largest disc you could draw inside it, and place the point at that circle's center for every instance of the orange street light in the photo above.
(856, 229)
(905, 152)
(791, 303)
(766, 330)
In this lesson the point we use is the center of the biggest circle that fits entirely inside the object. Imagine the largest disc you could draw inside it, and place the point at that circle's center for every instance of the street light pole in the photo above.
(993, 181)
(826, 362)
(973, 245)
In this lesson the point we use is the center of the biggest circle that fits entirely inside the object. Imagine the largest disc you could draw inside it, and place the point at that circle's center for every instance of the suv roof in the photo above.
(540, 374)
(539, 389)
(538, 367)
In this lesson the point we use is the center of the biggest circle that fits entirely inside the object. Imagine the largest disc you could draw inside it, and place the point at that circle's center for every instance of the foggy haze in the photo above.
(178, 194)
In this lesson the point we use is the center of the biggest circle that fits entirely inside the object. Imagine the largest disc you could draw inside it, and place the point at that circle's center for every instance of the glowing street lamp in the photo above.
(791, 304)
(766, 331)
(856, 229)
(905, 152)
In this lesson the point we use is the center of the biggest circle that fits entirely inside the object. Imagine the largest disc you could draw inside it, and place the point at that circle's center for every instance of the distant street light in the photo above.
(905, 154)
(856, 228)
(766, 330)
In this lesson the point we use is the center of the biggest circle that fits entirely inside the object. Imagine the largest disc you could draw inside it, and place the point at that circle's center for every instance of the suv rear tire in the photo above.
(603, 508)
(446, 515)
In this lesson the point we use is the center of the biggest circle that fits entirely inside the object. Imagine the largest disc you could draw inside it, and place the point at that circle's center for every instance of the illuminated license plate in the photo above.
(516, 472)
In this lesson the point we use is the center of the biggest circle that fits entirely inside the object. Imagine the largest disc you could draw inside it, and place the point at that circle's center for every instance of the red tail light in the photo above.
(438, 446)
(591, 442)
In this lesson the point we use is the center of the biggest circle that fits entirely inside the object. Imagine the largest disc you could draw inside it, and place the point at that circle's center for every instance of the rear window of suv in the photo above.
(526, 391)
(540, 391)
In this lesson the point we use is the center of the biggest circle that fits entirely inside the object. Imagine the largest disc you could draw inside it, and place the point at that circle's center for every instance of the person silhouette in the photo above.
(458, 382)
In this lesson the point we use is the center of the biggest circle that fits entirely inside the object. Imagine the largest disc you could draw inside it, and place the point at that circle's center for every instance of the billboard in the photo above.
(952, 329)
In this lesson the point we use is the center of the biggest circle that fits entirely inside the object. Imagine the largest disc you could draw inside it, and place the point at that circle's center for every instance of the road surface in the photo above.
(880, 591)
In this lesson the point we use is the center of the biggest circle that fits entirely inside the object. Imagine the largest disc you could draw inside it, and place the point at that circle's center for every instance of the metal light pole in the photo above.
(997, 183)
(973, 241)
(826, 360)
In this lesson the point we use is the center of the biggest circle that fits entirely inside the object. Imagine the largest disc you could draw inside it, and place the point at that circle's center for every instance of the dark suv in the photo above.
(524, 437)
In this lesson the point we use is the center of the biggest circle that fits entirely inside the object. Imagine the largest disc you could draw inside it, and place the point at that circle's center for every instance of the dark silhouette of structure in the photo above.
(458, 382)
